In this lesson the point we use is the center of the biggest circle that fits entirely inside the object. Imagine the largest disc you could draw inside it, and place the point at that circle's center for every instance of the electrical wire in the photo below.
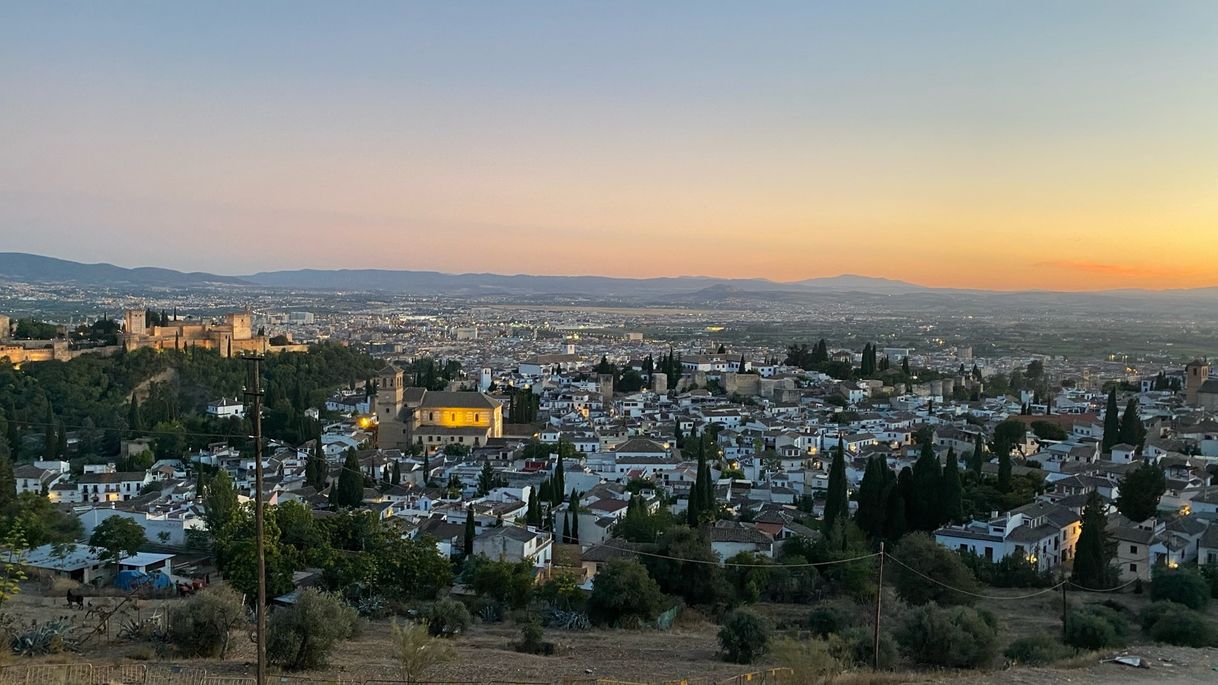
(974, 594)
(738, 565)
(1111, 589)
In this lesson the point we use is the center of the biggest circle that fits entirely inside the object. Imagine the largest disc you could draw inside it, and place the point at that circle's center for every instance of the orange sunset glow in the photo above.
(1064, 147)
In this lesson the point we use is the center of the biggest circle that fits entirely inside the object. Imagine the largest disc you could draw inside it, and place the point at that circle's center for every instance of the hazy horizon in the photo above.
(1021, 146)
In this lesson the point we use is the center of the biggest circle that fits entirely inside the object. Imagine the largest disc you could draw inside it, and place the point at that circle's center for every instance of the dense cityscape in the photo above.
(577, 464)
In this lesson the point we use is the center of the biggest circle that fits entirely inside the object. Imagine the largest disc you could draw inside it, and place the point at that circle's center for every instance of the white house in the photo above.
(1042, 533)
(515, 543)
(729, 538)
(111, 486)
(168, 528)
(226, 408)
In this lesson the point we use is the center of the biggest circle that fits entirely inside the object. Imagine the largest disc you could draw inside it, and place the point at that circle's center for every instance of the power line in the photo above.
(969, 592)
(737, 565)
(1111, 589)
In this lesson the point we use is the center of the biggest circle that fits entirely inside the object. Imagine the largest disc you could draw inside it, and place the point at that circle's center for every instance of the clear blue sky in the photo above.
(1074, 142)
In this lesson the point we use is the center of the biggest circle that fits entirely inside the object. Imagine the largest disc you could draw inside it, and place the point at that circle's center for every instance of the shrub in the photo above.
(1210, 573)
(506, 582)
(1183, 585)
(1038, 650)
(302, 636)
(1179, 625)
(200, 626)
(417, 652)
(532, 639)
(562, 591)
(856, 646)
(743, 637)
(1010, 571)
(1095, 627)
(811, 661)
(957, 637)
(1153, 612)
(930, 559)
(832, 617)
(623, 594)
(447, 617)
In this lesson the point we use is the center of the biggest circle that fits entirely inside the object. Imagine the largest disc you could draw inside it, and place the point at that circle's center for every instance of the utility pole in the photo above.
(254, 394)
(879, 593)
(1065, 606)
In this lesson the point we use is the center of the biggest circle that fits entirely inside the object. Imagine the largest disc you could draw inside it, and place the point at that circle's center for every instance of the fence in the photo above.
(140, 674)
(773, 676)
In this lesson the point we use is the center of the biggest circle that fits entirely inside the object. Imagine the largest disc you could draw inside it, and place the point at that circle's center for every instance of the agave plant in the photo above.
(51, 637)
(567, 620)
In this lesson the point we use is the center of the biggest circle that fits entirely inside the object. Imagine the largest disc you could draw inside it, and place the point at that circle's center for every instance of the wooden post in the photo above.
(879, 593)
(254, 393)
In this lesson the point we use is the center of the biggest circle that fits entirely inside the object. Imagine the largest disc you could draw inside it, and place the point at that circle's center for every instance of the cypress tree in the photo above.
(836, 502)
(924, 507)
(349, 492)
(1132, 431)
(894, 505)
(61, 442)
(1112, 422)
(692, 513)
(1091, 561)
(708, 505)
(396, 477)
(978, 457)
(310, 470)
(566, 528)
(950, 499)
(135, 419)
(316, 468)
(905, 366)
(872, 510)
(560, 480)
(1004, 471)
(820, 354)
(467, 546)
(575, 518)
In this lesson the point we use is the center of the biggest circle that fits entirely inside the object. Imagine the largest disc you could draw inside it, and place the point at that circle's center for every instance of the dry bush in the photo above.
(811, 661)
(58, 587)
(417, 652)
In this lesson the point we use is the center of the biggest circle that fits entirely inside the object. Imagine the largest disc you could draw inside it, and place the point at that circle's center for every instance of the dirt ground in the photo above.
(688, 651)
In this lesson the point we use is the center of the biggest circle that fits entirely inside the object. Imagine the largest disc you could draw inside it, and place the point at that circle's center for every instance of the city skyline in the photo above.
(947, 144)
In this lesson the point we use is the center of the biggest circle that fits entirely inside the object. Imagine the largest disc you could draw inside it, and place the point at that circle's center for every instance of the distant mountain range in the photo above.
(29, 268)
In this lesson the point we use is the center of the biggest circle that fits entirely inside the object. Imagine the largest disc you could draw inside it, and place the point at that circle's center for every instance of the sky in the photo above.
(1067, 145)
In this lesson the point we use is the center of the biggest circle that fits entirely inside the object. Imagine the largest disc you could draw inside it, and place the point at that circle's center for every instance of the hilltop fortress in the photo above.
(233, 335)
